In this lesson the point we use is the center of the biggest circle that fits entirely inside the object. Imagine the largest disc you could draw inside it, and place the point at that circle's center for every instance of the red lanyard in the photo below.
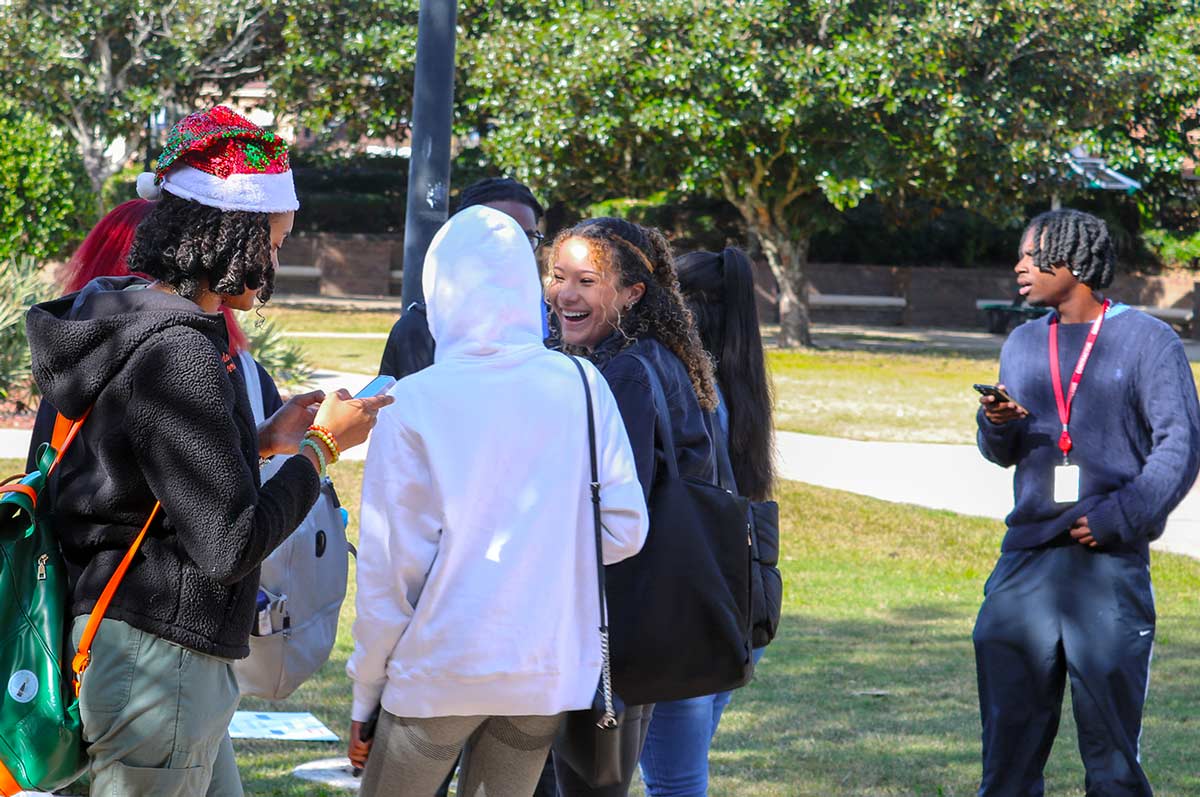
(1064, 405)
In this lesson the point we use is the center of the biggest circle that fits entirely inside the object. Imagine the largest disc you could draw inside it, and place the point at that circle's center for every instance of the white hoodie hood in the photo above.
(476, 571)
(481, 286)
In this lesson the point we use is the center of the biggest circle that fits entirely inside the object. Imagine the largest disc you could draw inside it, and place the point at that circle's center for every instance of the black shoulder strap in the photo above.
(608, 720)
(720, 441)
(662, 415)
(595, 488)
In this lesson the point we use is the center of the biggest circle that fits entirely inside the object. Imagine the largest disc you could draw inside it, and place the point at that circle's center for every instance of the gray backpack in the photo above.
(301, 589)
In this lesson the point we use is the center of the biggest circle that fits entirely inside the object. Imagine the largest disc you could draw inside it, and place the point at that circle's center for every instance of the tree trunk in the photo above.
(785, 246)
(101, 160)
(787, 255)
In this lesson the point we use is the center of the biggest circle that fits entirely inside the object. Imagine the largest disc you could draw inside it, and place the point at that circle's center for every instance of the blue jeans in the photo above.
(675, 757)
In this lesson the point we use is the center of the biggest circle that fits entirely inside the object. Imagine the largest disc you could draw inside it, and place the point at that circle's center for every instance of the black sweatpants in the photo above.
(1048, 614)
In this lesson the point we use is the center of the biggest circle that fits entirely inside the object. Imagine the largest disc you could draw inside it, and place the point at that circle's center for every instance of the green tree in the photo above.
(794, 111)
(43, 192)
(345, 67)
(99, 69)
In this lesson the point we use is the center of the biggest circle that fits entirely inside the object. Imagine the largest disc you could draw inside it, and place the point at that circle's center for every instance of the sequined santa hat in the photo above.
(221, 159)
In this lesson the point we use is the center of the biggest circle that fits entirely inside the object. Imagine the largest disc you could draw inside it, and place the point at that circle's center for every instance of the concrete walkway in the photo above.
(950, 477)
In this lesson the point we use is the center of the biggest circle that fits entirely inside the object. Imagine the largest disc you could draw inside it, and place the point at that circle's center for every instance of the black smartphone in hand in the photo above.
(367, 731)
(996, 393)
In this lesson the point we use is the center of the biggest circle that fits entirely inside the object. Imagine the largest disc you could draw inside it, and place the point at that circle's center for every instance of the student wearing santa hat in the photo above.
(171, 437)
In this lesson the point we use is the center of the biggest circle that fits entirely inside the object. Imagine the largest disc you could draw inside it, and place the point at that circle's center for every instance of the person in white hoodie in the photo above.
(477, 608)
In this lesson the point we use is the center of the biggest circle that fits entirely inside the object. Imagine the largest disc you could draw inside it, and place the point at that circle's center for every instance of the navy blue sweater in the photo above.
(1135, 425)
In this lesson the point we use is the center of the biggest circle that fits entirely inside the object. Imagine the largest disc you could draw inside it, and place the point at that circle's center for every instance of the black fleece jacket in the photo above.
(170, 421)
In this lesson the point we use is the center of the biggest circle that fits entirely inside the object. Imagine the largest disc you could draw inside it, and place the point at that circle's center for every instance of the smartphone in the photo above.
(380, 384)
(991, 390)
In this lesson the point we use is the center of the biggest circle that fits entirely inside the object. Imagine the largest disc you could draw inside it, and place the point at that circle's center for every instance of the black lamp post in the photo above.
(429, 165)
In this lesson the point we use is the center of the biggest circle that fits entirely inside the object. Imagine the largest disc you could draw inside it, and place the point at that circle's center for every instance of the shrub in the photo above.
(282, 358)
(21, 285)
(44, 200)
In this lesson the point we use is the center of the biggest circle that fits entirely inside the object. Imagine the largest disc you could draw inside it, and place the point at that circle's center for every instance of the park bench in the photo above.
(854, 300)
(299, 279)
(1002, 312)
(879, 309)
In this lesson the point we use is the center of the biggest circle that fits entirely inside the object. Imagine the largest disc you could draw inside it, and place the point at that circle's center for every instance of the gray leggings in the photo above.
(501, 756)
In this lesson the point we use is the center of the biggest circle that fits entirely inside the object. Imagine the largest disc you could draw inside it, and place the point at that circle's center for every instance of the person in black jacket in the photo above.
(409, 346)
(615, 294)
(169, 437)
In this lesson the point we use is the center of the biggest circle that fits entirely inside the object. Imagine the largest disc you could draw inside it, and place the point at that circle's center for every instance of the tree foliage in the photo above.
(346, 66)
(796, 110)
(97, 70)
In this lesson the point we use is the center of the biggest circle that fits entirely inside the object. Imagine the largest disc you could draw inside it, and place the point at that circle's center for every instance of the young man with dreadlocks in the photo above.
(409, 346)
(1104, 430)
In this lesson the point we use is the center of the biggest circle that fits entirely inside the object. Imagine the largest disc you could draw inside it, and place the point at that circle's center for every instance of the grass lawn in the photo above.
(297, 319)
(865, 395)
(354, 355)
(870, 687)
(351, 355)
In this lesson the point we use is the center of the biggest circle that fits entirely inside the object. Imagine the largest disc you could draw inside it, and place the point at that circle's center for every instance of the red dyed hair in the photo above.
(103, 254)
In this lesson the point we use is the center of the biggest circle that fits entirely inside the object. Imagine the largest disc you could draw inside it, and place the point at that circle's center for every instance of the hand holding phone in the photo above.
(362, 734)
(997, 392)
(998, 406)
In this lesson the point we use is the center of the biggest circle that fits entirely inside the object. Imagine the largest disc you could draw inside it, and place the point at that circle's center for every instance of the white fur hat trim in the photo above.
(257, 193)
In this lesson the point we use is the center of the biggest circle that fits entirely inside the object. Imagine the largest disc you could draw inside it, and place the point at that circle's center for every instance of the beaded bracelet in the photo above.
(327, 438)
(320, 454)
(330, 446)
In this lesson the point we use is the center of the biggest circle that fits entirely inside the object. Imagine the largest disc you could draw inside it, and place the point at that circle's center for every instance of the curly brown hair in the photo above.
(642, 254)
(183, 242)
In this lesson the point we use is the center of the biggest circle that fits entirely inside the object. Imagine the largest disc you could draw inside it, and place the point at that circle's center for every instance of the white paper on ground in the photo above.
(333, 772)
(298, 726)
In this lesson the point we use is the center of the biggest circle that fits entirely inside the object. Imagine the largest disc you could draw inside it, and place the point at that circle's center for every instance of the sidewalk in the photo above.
(951, 477)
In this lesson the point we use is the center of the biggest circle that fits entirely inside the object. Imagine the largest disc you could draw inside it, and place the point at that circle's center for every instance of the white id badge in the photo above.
(1066, 484)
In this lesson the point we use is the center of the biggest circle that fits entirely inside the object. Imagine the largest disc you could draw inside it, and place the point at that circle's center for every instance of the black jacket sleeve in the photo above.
(409, 346)
(189, 449)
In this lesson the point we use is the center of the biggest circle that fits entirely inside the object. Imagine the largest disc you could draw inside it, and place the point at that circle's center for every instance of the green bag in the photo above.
(41, 735)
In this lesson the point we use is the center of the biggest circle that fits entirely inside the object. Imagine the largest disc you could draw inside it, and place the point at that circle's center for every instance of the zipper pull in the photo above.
(41, 571)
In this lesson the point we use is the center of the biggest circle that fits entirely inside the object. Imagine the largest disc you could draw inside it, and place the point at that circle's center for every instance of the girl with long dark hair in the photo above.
(719, 290)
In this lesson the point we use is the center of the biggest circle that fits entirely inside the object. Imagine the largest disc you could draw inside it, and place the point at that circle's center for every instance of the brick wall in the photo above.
(361, 265)
(349, 265)
(945, 297)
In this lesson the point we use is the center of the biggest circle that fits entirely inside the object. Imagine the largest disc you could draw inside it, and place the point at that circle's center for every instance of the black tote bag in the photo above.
(766, 593)
(680, 610)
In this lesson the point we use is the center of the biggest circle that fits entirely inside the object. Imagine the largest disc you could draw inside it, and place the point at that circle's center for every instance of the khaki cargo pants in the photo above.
(156, 717)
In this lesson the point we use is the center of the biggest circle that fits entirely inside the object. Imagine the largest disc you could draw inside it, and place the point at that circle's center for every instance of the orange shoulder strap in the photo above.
(65, 432)
(83, 656)
(8, 784)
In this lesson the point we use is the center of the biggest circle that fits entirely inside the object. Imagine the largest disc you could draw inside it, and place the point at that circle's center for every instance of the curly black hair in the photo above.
(1074, 239)
(186, 245)
(642, 254)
